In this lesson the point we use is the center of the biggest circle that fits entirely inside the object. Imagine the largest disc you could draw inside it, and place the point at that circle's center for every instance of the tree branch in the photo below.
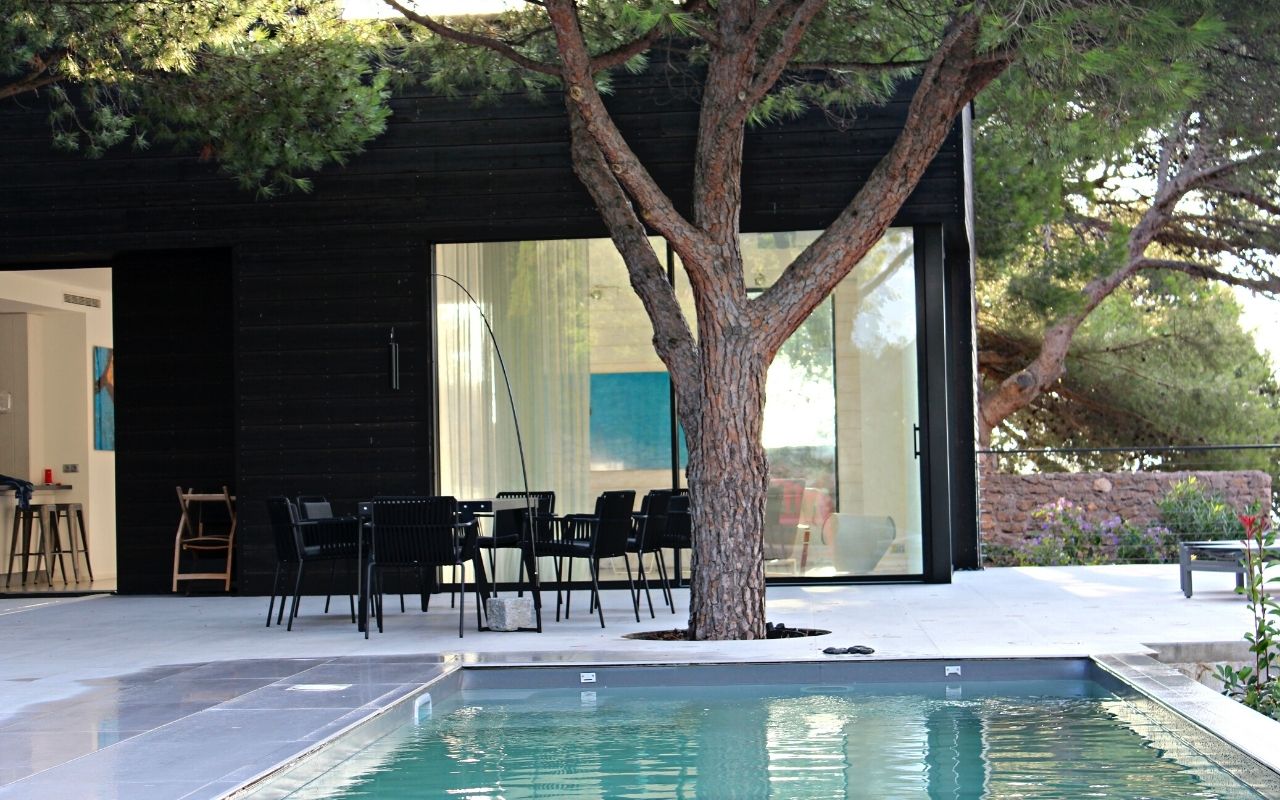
(672, 337)
(625, 52)
(40, 76)
(475, 39)
(950, 81)
(656, 209)
(1269, 284)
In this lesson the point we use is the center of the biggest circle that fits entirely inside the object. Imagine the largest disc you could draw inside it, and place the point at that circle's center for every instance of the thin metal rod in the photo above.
(1153, 449)
(524, 472)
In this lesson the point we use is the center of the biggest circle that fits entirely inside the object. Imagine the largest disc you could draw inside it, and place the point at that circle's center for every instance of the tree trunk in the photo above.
(728, 474)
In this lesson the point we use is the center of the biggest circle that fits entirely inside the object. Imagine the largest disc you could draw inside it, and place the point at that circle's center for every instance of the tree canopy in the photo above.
(1095, 200)
(271, 89)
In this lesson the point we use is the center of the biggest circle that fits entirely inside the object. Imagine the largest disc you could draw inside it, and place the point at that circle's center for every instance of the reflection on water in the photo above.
(1054, 739)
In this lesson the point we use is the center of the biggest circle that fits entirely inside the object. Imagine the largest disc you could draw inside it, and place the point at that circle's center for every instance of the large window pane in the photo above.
(594, 407)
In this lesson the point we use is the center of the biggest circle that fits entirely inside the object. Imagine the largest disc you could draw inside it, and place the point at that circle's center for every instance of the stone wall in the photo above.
(1006, 502)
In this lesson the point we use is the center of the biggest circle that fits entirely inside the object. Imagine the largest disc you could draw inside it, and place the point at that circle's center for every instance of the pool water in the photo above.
(1041, 739)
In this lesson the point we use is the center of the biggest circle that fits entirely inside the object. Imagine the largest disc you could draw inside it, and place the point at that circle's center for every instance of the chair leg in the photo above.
(84, 542)
(333, 570)
(644, 581)
(666, 582)
(275, 589)
(366, 596)
(283, 592)
(635, 593)
(568, 591)
(594, 564)
(297, 595)
(462, 600)
(559, 563)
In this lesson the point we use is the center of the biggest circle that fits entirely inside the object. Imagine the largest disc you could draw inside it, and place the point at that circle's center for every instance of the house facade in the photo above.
(252, 337)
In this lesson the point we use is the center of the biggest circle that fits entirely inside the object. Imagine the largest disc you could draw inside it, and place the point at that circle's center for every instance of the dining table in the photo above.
(478, 507)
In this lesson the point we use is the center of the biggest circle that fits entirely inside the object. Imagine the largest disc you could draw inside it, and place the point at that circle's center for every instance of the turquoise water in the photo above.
(1044, 739)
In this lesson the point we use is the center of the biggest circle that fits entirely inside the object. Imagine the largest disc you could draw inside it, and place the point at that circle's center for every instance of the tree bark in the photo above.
(728, 474)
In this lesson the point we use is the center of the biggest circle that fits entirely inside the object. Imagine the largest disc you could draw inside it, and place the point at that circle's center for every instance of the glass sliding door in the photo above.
(594, 399)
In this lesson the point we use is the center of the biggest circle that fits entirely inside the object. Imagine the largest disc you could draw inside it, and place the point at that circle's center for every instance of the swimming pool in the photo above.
(995, 729)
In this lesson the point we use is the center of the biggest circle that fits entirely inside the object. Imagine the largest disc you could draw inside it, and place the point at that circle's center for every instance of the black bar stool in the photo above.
(72, 546)
(22, 520)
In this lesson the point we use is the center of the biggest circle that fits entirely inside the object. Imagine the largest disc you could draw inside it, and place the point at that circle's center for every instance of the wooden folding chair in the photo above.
(192, 536)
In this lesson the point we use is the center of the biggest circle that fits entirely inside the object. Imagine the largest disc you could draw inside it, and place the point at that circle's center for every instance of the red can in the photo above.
(48, 476)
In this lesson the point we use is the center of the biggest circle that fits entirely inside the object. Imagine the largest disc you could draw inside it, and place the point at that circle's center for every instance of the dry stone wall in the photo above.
(1007, 501)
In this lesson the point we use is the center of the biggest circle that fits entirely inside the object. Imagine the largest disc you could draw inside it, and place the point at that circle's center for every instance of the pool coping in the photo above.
(1221, 729)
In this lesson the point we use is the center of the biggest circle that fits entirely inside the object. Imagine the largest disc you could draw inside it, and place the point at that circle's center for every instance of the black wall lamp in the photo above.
(393, 350)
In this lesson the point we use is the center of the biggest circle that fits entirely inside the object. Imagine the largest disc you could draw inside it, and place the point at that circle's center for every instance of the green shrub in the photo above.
(1193, 513)
(1067, 537)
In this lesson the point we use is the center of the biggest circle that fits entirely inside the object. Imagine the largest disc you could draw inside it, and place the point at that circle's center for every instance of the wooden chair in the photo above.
(192, 537)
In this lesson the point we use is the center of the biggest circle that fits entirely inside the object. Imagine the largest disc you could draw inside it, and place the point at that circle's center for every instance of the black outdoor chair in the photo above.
(301, 542)
(313, 506)
(509, 530)
(594, 537)
(678, 534)
(424, 533)
(648, 528)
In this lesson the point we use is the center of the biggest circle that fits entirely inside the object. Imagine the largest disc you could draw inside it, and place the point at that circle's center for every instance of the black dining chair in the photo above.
(510, 530)
(314, 506)
(301, 542)
(593, 537)
(678, 534)
(424, 533)
(648, 527)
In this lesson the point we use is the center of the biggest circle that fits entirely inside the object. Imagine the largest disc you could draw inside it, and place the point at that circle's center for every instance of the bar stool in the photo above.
(23, 519)
(72, 547)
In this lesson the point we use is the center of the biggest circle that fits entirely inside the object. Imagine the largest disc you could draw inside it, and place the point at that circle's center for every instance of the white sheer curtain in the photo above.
(535, 295)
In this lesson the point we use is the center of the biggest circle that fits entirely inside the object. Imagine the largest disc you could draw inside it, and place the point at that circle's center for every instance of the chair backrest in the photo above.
(613, 526)
(781, 535)
(511, 523)
(421, 530)
(651, 527)
(679, 532)
(284, 527)
(314, 507)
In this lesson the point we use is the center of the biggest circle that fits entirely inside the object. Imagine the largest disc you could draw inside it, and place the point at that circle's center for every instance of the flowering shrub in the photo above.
(1257, 685)
(1067, 537)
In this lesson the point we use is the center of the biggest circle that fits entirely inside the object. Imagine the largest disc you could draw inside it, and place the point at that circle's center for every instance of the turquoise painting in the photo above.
(104, 399)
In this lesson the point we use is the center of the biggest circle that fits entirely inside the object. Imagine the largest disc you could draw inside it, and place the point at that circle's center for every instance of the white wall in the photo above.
(56, 405)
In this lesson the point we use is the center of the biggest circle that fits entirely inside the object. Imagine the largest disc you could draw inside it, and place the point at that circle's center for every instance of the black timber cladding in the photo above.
(318, 280)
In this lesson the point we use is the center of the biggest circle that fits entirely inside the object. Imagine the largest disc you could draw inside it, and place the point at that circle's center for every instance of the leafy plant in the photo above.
(1191, 512)
(1257, 685)
(1068, 537)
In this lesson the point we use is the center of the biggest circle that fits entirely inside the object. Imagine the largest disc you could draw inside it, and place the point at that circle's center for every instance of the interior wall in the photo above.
(15, 430)
(46, 354)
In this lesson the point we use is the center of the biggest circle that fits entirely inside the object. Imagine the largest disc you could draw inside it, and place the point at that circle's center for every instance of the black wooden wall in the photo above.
(175, 421)
(316, 282)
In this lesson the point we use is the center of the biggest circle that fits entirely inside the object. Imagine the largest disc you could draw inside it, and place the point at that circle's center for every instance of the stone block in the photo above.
(510, 613)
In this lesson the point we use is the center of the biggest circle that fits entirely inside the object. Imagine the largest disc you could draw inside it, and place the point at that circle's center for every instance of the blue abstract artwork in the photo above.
(631, 421)
(104, 399)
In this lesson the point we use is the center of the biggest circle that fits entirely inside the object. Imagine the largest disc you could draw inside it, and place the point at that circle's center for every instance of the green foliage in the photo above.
(1193, 513)
(1067, 537)
(1257, 685)
(1164, 360)
(273, 89)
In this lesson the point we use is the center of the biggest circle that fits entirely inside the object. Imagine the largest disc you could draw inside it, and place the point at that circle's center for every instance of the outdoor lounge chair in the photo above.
(648, 530)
